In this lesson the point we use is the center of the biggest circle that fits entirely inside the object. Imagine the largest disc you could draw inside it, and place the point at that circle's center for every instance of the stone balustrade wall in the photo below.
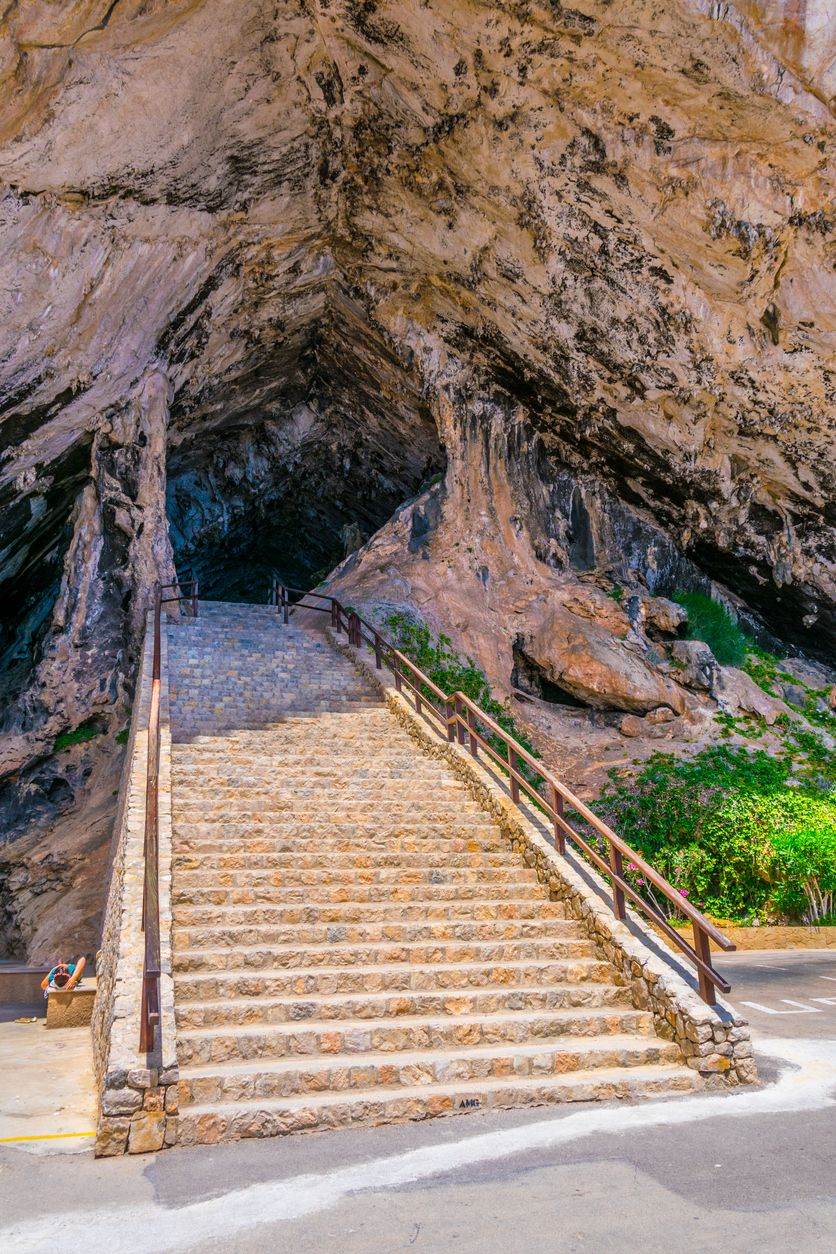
(137, 1093)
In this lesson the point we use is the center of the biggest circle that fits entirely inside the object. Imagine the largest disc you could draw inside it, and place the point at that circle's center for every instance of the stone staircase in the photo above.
(354, 942)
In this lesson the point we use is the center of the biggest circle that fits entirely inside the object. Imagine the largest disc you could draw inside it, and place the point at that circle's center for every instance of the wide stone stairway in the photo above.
(354, 941)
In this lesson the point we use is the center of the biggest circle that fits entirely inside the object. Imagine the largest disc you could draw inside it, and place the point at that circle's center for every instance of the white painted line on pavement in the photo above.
(155, 1228)
(805, 1010)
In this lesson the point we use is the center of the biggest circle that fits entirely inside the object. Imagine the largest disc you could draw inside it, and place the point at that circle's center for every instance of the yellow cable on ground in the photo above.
(46, 1136)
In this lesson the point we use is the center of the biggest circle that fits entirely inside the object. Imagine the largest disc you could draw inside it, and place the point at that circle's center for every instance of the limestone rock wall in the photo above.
(280, 263)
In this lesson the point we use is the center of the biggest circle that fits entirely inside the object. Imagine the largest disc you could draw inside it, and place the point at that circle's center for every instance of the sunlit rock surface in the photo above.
(269, 269)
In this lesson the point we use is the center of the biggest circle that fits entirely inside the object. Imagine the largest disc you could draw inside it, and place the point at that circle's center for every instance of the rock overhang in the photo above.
(341, 243)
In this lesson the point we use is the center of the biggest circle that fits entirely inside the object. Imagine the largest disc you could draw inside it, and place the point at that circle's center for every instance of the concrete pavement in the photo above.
(48, 1097)
(753, 1170)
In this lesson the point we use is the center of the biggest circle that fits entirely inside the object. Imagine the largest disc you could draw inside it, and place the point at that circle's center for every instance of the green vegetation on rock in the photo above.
(86, 731)
(451, 672)
(711, 622)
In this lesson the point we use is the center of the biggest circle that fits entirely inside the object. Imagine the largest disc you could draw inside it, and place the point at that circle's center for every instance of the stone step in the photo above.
(383, 912)
(308, 836)
(209, 1124)
(297, 764)
(270, 688)
(277, 744)
(303, 740)
(319, 808)
(298, 730)
(276, 782)
(197, 936)
(272, 679)
(201, 1046)
(339, 827)
(253, 893)
(498, 950)
(275, 1079)
(328, 759)
(344, 883)
(350, 861)
(400, 977)
(489, 1000)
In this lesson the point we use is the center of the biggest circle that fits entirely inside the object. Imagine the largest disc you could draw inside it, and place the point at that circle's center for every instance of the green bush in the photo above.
(711, 622)
(804, 860)
(728, 830)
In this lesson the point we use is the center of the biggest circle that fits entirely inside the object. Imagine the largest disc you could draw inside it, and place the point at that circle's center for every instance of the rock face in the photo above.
(269, 269)
(593, 666)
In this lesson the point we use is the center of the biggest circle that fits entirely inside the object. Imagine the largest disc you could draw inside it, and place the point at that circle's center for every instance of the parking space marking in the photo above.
(787, 1001)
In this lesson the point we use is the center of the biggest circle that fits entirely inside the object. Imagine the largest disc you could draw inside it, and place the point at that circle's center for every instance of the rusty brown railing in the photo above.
(462, 720)
(149, 1014)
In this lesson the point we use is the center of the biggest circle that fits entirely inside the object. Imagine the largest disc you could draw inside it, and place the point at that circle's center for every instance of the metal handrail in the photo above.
(462, 718)
(149, 1014)
(149, 1017)
(190, 597)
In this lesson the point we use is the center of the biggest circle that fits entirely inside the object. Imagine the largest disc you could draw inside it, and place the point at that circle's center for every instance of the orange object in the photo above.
(61, 978)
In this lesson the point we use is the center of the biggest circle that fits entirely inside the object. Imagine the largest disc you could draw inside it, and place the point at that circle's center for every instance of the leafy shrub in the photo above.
(730, 833)
(800, 834)
(709, 621)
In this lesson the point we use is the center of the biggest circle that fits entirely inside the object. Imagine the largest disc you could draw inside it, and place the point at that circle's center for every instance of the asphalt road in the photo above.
(753, 1170)
(784, 992)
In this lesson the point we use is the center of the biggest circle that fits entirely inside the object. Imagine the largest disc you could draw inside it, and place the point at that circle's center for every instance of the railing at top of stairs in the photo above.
(462, 720)
(149, 1015)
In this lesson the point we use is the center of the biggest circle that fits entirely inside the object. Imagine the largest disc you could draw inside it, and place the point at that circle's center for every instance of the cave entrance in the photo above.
(529, 678)
(295, 463)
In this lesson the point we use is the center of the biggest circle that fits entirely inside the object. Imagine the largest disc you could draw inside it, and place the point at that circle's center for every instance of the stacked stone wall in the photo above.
(714, 1040)
(137, 1092)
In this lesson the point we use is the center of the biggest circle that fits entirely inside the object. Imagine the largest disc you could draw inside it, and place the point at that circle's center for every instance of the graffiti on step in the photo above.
(473, 1103)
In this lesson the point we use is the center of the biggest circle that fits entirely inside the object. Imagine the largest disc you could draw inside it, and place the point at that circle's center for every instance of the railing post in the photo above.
(285, 605)
(396, 671)
(450, 711)
(513, 762)
(707, 990)
(194, 599)
(471, 732)
(378, 658)
(617, 864)
(460, 732)
(559, 834)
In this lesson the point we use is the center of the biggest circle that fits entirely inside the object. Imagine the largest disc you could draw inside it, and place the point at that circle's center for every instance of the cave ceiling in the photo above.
(312, 220)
